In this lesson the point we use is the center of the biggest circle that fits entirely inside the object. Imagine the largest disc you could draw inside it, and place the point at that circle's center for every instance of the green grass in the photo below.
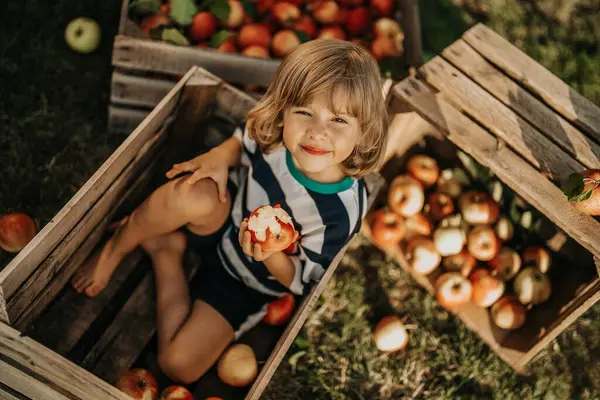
(53, 105)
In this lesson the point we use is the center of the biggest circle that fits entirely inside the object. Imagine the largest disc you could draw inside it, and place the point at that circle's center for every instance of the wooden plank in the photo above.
(13, 275)
(233, 103)
(491, 113)
(7, 393)
(163, 57)
(556, 93)
(124, 120)
(508, 166)
(26, 384)
(130, 90)
(549, 123)
(127, 26)
(112, 199)
(79, 383)
(50, 291)
(410, 22)
(375, 183)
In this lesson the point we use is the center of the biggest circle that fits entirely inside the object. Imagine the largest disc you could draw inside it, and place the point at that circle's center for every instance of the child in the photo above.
(321, 126)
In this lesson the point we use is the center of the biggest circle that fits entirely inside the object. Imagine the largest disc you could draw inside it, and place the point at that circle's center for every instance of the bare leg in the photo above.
(169, 207)
(190, 337)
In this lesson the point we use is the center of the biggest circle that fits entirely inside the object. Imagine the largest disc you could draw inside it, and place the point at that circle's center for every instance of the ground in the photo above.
(53, 137)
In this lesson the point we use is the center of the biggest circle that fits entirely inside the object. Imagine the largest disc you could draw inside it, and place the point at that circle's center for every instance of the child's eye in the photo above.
(302, 112)
(340, 120)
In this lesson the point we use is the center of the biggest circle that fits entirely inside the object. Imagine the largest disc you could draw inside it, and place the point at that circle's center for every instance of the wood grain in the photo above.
(124, 120)
(138, 91)
(26, 384)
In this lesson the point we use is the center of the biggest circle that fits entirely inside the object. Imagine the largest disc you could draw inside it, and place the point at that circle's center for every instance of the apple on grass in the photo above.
(83, 35)
(16, 231)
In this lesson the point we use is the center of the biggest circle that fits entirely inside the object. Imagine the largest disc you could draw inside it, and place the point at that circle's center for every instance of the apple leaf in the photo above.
(182, 11)
(219, 38)
(293, 360)
(582, 197)
(573, 186)
(250, 8)
(301, 342)
(144, 6)
(221, 9)
(172, 35)
(303, 36)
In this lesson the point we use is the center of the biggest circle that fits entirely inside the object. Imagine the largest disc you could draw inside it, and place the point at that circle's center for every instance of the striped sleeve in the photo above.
(248, 144)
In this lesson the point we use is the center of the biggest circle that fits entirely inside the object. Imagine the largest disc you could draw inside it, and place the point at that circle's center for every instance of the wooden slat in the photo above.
(491, 113)
(101, 210)
(508, 166)
(76, 381)
(7, 393)
(138, 91)
(51, 290)
(556, 93)
(26, 384)
(549, 123)
(150, 55)
(127, 26)
(13, 275)
(233, 103)
(375, 183)
(124, 120)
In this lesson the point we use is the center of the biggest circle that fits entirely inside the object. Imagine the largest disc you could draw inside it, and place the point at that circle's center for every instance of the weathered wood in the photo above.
(508, 166)
(3, 309)
(556, 93)
(138, 91)
(74, 380)
(26, 384)
(163, 57)
(375, 183)
(131, 178)
(470, 98)
(50, 291)
(411, 25)
(127, 26)
(13, 275)
(549, 123)
(125, 120)
(233, 103)
(7, 393)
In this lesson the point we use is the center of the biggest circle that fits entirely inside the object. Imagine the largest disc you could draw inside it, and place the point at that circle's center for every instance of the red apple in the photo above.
(213, 398)
(506, 264)
(383, 47)
(424, 169)
(591, 180)
(538, 257)
(532, 286)
(483, 243)
(383, 7)
(486, 289)
(254, 35)
(139, 384)
(203, 26)
(390, 334)
(307, 25)
(285, 13)
(417, 225)
(327, 12)
(284, 42)
(227, 46)
(237, 366)
(405, 196)
(388, 228)
(176, 393)
(463, 262)
(439, 205)
(508, 313)
(265, 5)
(272, 228)
(357, 20)
(478, 208)
(449, 183)
(351, 3)
(504, 228)
(256, 51)
(280, 310)
(332, 32)
(422, 255)
(153, 22)
(16, 231)
(389, 28)
(236, 14)
(452, 290)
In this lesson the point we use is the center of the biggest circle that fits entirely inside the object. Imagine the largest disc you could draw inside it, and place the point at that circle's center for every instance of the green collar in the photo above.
(323, 188)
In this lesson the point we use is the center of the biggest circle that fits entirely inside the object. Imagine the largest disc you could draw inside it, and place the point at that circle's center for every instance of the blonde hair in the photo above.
(331, 67)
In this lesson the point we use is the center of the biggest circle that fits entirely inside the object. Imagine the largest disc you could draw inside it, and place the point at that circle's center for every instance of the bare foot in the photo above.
(172, 243)
(93, 276)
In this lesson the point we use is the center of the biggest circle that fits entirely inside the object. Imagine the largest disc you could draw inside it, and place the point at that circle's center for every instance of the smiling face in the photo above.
(320, 138)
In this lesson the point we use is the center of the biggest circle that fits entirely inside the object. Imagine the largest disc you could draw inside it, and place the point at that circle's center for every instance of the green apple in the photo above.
(83, 35)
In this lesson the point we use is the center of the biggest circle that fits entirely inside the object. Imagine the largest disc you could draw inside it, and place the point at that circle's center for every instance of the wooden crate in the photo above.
(145, 70)
(61, 344)
(490, 100)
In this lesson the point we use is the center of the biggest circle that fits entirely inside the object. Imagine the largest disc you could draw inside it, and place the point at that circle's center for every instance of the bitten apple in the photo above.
(506, 264)
(486, 289)
(388, 228)
(508, 313)
(272, 228)
(424, 169)
(176, 393)
(16, 231)
(139, 384)
(280, 310)
(405, 196)
(390, 334)
(237, 366)
(452, 290)
(422, 256)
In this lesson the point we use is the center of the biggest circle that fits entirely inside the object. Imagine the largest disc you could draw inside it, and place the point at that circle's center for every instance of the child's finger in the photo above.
(247, 246)
(243, 228)
(196, 176)
(258, 253)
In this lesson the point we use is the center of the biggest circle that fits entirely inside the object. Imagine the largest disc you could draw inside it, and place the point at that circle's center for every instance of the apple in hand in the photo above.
(176, 393)
(388, 228)
(280, 310)
(139, 384)
(83, 35)
(16, 231)
(272, 228)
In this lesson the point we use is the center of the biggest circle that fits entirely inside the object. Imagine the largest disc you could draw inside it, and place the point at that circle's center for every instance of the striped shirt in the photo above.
(326, 215)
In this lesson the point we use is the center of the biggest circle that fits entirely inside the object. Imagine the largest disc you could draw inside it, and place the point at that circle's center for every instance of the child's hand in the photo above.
(208, 165)
(253, 250)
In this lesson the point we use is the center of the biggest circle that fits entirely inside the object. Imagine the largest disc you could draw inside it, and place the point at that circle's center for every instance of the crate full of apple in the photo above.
(470, 234)
(269, 28)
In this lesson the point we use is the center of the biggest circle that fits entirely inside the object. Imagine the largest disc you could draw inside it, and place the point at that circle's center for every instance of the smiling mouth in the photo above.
(315, 150)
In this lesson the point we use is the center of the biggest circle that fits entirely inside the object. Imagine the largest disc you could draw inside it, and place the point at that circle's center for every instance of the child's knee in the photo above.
(177, 365)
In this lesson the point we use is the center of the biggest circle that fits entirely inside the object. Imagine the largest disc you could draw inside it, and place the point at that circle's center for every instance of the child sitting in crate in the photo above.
(321, 126)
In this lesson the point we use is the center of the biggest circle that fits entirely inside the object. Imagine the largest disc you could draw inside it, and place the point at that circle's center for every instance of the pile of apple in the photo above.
(443, 221)
(269, 28)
